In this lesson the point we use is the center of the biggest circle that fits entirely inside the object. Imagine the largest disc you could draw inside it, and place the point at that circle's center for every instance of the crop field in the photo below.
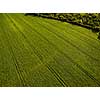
(40, 52)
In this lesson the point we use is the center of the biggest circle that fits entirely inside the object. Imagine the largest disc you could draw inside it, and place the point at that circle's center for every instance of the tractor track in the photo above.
(15, 60)
(72, 34)
(76, 31)
(18, 69)
(41, 59)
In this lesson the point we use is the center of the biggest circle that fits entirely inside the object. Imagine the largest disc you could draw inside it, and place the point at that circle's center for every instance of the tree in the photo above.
(99, 36)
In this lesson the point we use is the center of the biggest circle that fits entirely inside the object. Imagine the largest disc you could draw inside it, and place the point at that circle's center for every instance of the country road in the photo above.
(43, 52)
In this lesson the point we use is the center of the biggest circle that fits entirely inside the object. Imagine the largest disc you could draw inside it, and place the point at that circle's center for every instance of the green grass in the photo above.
(43, 52)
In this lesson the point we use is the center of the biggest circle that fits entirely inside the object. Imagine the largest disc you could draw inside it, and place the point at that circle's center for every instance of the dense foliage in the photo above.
(88, 20)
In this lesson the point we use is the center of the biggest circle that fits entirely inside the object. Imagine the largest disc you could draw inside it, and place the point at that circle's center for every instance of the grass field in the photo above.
(44, 52)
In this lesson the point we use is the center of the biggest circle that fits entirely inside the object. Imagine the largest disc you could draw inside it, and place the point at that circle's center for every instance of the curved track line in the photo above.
(57, 76)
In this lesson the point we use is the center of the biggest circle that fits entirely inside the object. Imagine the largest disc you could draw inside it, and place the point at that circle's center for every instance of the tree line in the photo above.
(87, 20)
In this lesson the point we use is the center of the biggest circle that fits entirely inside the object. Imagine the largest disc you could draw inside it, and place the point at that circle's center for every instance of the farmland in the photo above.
(41, 52)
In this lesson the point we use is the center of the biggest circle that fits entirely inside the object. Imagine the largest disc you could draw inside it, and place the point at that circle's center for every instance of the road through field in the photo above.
(43, 52)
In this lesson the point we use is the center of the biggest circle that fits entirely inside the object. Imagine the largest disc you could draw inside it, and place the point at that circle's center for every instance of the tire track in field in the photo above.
(79, 66)
(40, 57)
(15, 60)
(57, 76)
(62, 38)
(77, 31)
(24, 72)
(72, 34)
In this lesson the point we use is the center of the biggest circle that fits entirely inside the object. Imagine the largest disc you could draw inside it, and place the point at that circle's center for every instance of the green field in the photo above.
(36, 51)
